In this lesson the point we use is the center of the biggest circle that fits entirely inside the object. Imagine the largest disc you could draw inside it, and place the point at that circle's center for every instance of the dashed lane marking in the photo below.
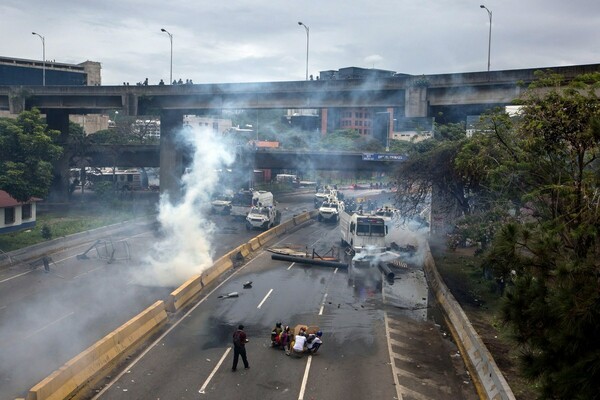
(265, 298)
(214, 371)
(305, 379)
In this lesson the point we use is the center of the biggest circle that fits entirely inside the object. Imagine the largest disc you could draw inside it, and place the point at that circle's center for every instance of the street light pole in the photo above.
(490, 34)
(171, 40)
(307, 41)
(387, 132)
(44, 57)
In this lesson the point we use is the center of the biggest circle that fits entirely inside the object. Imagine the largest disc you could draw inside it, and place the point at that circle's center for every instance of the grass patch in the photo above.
(75, 219)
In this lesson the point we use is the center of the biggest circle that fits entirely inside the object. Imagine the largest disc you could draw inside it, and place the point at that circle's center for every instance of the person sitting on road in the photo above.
(299, 343)
(276, 334)
(314, 342)
(286, 337)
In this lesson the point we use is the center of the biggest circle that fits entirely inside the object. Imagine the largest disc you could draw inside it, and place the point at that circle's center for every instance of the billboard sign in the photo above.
(383, 157)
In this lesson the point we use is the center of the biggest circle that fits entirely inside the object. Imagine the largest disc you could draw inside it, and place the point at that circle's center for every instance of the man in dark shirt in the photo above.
(239, 347)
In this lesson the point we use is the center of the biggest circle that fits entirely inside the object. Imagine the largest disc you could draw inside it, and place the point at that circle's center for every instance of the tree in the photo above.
(430, 167)
(78, 143)
(533, 181)
(551, 245)
(26, 155)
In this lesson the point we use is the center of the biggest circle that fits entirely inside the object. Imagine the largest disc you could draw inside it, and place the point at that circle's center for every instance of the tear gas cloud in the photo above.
(407, 233)
(184, 249)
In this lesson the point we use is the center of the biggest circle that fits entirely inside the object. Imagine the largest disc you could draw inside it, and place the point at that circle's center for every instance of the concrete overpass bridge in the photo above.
(405, 95)
(149, 156)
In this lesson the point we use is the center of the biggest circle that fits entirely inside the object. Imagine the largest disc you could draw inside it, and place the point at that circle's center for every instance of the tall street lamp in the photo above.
(387, 126)
(307, 41)
(171, 40)
(44, 57)
(490, 34)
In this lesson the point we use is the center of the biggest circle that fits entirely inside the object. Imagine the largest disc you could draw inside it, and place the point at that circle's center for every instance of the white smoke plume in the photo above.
(185, 247)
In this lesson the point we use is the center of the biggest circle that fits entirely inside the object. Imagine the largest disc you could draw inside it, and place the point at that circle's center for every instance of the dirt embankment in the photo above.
(459, 271)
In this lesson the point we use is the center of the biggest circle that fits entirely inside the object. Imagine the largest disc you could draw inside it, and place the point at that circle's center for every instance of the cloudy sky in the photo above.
(260, 40)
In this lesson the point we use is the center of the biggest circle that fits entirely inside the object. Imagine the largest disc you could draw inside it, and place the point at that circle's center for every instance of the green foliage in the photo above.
(26, 155)
(537, 182)
(104, 190)
(530, 185)
(108, 136)
(46, 232)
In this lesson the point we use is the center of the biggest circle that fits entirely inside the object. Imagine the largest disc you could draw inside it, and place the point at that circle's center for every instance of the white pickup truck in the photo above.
(330, 210)
(221, 203)
(244, 200)
(263, 218)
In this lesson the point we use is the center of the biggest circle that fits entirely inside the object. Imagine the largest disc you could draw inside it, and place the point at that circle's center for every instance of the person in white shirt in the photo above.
(314, 342)
(300, 342)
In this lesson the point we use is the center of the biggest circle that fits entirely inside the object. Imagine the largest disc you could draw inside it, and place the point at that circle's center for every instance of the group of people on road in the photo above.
(282, 338)
(300, 343)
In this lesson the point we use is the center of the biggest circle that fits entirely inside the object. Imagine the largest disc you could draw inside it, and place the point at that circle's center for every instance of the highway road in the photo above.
(193, 358)
(47, 318)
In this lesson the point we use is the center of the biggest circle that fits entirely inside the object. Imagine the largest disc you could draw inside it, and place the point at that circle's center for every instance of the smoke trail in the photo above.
(185, 249)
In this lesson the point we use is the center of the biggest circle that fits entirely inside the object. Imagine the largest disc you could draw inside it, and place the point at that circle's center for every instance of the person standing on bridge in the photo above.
(239, 347)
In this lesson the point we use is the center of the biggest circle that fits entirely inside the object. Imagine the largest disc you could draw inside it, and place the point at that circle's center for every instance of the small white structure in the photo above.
(14, 215)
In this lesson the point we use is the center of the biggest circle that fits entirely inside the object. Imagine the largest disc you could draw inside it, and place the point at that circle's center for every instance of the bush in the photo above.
(46, 232)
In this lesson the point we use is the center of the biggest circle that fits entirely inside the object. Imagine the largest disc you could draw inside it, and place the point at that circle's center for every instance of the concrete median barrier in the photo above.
(184, 293)
(266, 237)
(488, 378)
(87, 366)
(302, 218)
(254, 244)
(285, 227)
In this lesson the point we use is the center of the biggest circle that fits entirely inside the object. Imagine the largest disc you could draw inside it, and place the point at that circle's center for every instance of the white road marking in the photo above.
(15, 276)
(263, 300)
(214, 371)
(392, 363)
(335, 270)
(48, 325)
(305, 379)
(323, 304)
(86, 272)
(291, 265)
(161, 337)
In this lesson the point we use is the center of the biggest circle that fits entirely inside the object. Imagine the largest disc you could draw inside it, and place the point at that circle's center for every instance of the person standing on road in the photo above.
(239, 347)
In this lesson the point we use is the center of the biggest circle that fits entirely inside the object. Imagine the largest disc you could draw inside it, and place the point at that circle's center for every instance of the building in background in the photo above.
(218, 125)
(381, 123)
(14, 215)
(21, 72)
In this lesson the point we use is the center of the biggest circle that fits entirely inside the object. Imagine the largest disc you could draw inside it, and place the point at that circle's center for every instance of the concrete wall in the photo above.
(488, 378)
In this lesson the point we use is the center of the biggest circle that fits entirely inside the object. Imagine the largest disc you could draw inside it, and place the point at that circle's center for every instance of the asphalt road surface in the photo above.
(193, 358)
(48, 318)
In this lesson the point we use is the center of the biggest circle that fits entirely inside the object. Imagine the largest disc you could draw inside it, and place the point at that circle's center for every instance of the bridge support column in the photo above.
(324, 121)
(171, 155)
(415, 100)
(16, 100)
(59, 190)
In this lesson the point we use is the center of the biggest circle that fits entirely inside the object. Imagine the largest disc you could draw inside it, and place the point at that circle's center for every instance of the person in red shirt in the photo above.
(239, 347)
